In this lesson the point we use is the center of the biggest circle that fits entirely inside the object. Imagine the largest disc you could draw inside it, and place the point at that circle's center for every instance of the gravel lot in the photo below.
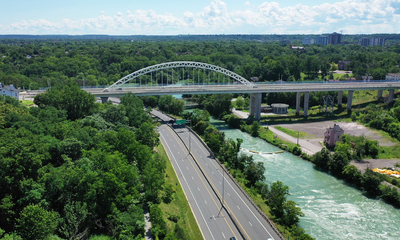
(317, 130)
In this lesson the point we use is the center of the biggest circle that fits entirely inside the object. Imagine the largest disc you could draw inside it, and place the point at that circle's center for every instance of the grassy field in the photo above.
(293, 133)
(27, 103)
(178, 209)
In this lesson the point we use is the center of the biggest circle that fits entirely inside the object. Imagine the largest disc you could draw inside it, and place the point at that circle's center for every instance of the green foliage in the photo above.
(169, 191)
(72, 223)
(35, 222)
(69, 97)
(158, 225)
(322, 158)
(76, 178)
(218, 105)
(277, 197)
(291, 213)
(133, 107)
(255, 127)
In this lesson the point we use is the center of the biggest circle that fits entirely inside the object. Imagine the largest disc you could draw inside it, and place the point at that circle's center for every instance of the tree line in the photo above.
(45, 63)
(72, 168)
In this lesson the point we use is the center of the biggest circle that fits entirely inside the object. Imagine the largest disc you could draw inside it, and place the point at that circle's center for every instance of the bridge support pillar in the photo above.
(380, 93)
(391, 95)
(104, 99)
(298, 99)
(306, 99)
(255, 105)
(340, 99)
(349, 99)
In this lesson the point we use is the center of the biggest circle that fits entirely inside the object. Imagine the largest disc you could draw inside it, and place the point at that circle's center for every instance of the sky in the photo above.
(173, 17)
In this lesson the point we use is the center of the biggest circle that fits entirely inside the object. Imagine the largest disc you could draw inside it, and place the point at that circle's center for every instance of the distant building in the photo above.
(279, 108)
(342, 64)
(367, 78)
(323, 40)
(254, 79)
(393, 76)
(335, 38)
(332, 135)
(308, 41)
(364, 41)
(9, 90)
(294, 47)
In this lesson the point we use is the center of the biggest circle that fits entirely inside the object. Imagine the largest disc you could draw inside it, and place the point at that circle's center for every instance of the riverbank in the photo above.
(333, 209)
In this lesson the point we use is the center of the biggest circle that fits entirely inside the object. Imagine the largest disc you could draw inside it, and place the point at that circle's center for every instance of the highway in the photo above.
(205, 184)
(211, 218)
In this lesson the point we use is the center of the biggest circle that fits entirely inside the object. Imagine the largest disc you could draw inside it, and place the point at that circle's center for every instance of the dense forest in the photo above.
(35, 63)
(73, 169)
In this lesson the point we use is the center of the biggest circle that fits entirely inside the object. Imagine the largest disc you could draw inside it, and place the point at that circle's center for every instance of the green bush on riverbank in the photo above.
(250, 175)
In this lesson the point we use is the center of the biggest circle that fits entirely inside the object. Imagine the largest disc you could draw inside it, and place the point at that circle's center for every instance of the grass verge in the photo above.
(27, 103)
(178, 210)
(293, 133)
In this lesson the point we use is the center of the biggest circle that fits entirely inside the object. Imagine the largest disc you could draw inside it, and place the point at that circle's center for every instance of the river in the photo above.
(333, 209)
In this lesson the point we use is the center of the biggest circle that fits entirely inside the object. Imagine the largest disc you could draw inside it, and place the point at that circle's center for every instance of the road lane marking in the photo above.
(201, 213)
(223, 235)
(192, 178)
(212, 172)
(205, 201)
(220, 182)
(250, 224)
(212, 196)
(198, 189)
(238, 207)
(228, 194)
(187, 168)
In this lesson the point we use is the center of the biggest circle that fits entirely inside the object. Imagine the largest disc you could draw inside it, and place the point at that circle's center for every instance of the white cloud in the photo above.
(353, 16)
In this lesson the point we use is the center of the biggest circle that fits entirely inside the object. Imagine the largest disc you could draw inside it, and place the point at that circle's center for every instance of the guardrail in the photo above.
(236, 183)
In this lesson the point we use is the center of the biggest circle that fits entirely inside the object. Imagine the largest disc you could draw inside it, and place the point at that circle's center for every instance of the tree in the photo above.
(36, 223)
(158, 225)
(255, 127)
(291, 213)
(72, 224)
(239, 102)
(371, 182)
(147, 135)
(69, 97)
(277, 197)
(322, 158)
(338, 162)
(255, 173)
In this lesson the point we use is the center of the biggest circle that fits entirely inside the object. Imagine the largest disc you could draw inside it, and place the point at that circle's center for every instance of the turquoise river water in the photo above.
(333, 209)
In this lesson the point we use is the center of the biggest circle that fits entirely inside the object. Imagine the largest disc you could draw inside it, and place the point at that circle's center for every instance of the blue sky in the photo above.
(155, 17)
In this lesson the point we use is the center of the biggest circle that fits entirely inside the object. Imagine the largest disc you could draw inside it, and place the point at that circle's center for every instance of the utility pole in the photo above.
(298, 138)
(190, 142)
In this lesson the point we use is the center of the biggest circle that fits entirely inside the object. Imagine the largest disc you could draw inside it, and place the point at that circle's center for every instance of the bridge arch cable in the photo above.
(172, 65)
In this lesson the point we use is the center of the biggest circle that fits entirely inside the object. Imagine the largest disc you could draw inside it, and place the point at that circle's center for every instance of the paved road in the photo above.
(213, 220)
(306, 146)
(204, 171)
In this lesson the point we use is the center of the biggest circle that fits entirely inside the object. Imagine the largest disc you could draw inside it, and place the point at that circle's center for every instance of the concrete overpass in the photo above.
(256, 90)
(196, 78)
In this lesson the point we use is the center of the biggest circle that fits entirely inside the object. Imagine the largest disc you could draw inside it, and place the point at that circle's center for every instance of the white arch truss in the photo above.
(161, 66)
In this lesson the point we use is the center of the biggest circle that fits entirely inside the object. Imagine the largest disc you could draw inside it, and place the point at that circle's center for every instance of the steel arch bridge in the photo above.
(180, 64)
